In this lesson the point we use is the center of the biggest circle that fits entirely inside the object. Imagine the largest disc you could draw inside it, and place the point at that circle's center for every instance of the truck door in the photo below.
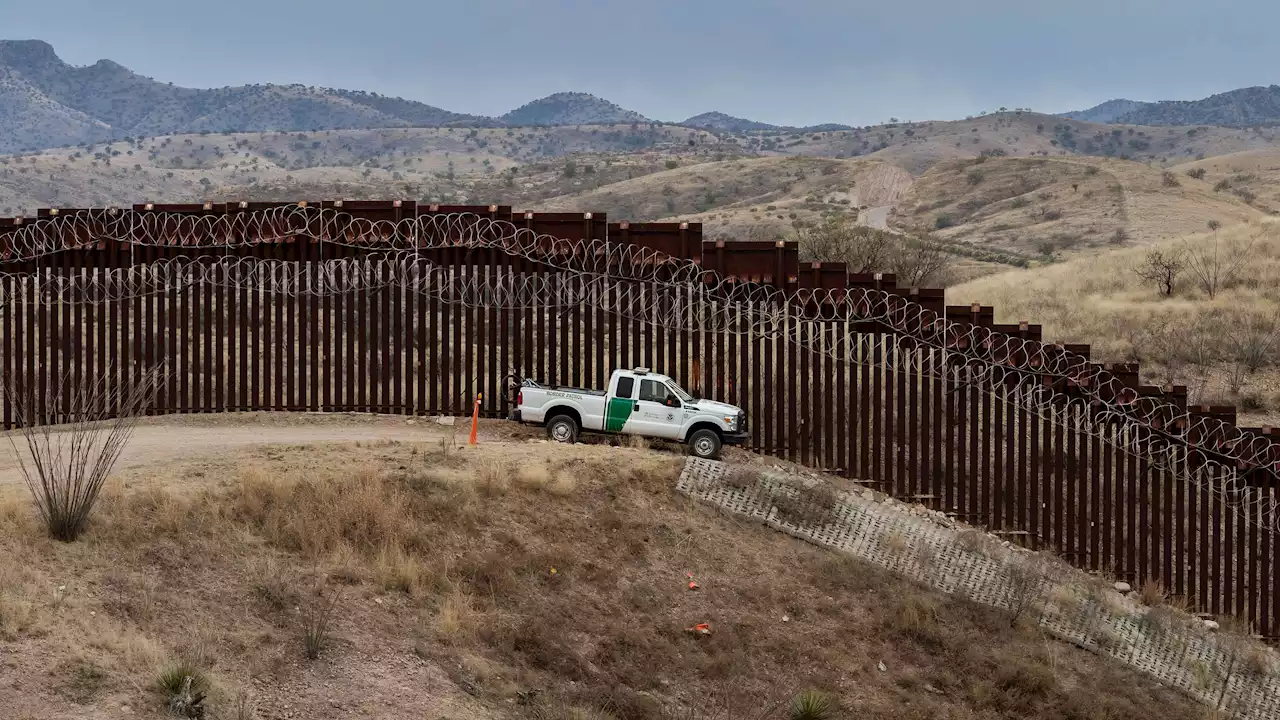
(620, 407)
(659, 411)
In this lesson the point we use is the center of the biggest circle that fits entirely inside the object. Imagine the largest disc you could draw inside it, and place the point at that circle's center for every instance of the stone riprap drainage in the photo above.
(1236, 676)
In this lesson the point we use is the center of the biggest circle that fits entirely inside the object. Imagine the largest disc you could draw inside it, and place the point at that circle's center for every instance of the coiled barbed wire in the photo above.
(688, 310)
(1000, 358)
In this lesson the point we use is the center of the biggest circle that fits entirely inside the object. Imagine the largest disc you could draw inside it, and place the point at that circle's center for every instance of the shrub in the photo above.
(672, 164)
(808, 506)
(184, 687)
(317, 618)
(68, 467)
(811, 705)
(1196, 173)
(944, 221)
(1169, 180)
(1162, 268)
(740, 478)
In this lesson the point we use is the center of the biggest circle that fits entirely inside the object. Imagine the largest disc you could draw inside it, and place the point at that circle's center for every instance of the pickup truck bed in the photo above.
(574, 390)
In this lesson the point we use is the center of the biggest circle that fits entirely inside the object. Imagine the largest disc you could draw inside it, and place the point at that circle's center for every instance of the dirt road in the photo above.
(166, 439)
(876, 217)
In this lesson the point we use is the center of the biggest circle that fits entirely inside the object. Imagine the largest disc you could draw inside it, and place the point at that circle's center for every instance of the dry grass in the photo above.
(1045, 209)
(562, 595)
(815, 504)
(1186, 339)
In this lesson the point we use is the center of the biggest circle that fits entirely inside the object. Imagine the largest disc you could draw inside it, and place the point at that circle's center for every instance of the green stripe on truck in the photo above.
(616, 414)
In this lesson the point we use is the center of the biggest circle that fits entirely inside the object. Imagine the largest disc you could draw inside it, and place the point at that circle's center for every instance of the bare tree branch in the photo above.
(1215, 263)
(1162, 267)
(65, 465)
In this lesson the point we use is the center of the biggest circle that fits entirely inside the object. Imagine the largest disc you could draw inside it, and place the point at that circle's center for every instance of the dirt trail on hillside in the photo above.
(167, 439)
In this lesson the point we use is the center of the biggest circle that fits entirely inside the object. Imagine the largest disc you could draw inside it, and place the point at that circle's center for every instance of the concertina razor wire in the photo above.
(639, 283)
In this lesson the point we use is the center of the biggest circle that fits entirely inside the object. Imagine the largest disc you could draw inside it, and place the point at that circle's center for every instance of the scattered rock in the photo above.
(881, 666)
(1211, 625)
(1123, 588)
(410, 421)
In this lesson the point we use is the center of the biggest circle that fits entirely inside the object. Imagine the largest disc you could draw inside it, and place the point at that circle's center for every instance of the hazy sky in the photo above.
(793, 62)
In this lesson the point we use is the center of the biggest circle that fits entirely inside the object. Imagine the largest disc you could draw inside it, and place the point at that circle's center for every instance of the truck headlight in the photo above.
(732, 422)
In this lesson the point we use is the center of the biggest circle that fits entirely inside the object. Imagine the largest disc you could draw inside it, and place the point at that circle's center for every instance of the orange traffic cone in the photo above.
(475, 418)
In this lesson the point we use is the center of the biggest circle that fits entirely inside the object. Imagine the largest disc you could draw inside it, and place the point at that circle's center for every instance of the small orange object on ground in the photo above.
(475, 418)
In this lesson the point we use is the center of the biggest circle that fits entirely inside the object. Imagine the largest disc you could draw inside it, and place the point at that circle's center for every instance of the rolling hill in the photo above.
(48, 103)
(570, 108)
(519, 166)
(1221, 347)
(1109, 111)
(748, 198)
(1245, 107)
(1063, 206)
(1252, 175)
(727, 123)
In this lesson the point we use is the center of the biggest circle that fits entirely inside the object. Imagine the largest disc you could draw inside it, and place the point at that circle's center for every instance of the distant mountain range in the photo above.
(1245, 107)
(719, 122)
(44, 103)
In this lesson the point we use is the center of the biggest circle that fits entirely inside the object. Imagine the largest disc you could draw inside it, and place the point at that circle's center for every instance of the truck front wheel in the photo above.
(562, 428)
(705, 444)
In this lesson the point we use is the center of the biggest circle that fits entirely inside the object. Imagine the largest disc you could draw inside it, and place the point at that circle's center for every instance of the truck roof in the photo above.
(646, 372)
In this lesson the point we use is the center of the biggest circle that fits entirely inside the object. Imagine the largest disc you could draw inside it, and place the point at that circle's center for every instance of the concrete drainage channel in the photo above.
(1221, 671)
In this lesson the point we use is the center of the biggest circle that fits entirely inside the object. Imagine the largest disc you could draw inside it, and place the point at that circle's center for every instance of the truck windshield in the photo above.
(684, 396)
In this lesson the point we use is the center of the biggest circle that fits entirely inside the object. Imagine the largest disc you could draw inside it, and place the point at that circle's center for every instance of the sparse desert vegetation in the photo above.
(336, 579)
(1201, 311)
(518, 579)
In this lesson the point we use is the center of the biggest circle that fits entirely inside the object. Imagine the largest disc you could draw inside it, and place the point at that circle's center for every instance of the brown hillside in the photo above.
(1224, 349)
(516, 580)
(749, 198)
(1062, 206)
(1252, 176)
(918, 146)
(515, 166)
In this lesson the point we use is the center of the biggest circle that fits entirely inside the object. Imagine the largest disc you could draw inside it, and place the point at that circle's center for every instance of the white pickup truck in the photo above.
(638, 402)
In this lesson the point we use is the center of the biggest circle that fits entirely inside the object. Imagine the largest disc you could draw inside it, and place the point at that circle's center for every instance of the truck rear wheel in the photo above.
(562, 428)
(705, 444)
